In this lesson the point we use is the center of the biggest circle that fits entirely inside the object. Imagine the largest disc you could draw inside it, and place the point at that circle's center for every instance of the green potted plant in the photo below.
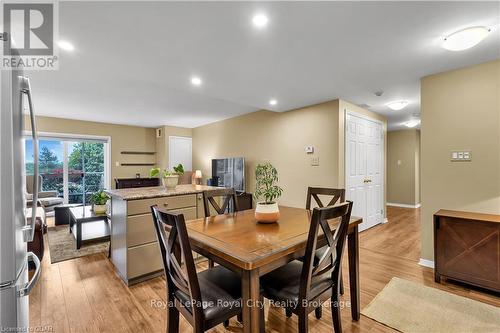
(266, 177)
(99, 201)
(169, 179)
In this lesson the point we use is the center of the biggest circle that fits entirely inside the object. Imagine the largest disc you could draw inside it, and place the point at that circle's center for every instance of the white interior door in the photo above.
(180, 152)
(365, 169)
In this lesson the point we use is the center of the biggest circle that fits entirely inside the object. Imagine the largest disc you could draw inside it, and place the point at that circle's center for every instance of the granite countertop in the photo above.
(157, 191)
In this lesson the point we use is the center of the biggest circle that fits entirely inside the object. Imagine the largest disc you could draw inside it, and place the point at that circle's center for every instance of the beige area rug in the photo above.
(62, 245)
(412, 307)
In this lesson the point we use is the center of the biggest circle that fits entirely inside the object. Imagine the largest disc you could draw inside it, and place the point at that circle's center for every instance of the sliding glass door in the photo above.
(75, 168)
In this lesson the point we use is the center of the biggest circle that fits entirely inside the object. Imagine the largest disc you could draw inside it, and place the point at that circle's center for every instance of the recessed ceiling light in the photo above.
(412, 123)
(65, 45)
(397, 105)
(465, 38)
(260, 20)
(196, 81)
(273, 102)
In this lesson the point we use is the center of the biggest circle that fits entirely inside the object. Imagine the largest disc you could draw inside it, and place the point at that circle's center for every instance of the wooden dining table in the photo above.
(238, 242)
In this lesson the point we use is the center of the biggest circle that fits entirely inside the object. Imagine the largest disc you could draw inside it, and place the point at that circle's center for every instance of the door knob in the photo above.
(367, 181)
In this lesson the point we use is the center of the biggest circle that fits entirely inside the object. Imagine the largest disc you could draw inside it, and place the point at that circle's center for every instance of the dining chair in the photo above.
(338, 196)
(228, 196)
(304, 286)
(205, 299)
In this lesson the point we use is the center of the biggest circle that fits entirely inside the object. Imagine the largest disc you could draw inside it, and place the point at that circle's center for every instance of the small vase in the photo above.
(100, 209)
(171, 181)
(267, 213)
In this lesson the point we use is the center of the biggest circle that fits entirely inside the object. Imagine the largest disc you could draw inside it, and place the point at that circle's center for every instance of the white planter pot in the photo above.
(267, 213)
(100, 209)
(170, 182)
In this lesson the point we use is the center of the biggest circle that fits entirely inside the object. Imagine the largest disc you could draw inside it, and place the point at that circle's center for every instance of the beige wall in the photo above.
(403, 182)
(460, 111)
(123, 138)
(162, 143)
(281, 138)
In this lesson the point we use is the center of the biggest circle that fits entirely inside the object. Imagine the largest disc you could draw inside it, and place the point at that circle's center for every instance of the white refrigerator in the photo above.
(15, 229)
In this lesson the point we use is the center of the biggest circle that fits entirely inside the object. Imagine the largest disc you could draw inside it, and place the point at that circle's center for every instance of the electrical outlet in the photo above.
(314, 161)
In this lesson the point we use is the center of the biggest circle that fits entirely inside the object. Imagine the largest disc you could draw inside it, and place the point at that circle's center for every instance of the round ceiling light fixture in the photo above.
(465, 38)
(397, 105)
(273, 102)
(196, 81)
(65, 45)
(260, 20)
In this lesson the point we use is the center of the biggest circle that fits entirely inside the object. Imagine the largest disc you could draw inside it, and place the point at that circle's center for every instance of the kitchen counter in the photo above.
(134, 246)
(157, 191)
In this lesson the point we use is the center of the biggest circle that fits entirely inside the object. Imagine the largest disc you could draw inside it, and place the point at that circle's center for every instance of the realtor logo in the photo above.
(31, 30)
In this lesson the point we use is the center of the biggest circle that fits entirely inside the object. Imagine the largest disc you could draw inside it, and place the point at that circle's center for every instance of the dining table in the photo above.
(251, 249)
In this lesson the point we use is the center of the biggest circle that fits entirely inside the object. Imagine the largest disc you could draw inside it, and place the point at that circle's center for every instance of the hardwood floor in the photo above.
(85, 295)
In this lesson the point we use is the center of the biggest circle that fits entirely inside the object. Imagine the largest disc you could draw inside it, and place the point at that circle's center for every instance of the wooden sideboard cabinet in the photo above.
(467, 248)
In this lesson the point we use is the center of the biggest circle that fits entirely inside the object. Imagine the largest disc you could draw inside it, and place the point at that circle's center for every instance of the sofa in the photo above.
(47, 199)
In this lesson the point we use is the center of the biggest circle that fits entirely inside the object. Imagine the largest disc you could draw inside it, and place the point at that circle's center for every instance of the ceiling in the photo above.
(133, 61)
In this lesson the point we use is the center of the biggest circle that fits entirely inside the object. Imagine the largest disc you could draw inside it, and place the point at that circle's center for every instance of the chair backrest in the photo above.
(228, 195)
(313, 192)
(332, 258)
(175, 249)
(29, 183)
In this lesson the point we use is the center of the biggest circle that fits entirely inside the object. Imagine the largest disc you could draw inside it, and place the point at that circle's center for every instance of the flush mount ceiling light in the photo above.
(397, 105)
(260, 20)
(196, 81)
(65, 45)
(465, 38)
(273, 102)
(412, 123)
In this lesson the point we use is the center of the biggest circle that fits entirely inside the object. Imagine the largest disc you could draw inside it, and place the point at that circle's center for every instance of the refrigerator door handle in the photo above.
(25, 289)
(29, 229)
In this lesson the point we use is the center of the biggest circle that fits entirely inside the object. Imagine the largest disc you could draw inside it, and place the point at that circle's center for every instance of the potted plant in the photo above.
(99, 201)
(266, 177)
(169, 179)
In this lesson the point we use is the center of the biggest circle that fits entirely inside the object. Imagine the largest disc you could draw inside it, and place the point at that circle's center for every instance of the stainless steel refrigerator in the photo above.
(15, 229)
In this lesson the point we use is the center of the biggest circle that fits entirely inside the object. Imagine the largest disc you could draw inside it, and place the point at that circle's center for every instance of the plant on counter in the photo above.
(170, 179)
(99, 200)
(266, 177)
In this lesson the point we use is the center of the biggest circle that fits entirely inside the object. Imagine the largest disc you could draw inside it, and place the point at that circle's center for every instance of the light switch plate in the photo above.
(309, 149)
(461, 156)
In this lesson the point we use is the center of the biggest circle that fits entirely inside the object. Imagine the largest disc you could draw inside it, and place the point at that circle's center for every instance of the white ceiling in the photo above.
(133, 61)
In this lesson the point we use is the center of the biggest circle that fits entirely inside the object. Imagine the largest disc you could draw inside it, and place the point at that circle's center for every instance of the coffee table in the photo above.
(86, 225)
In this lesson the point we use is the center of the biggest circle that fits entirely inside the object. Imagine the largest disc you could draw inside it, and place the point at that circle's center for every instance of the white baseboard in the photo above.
(385, 220)
(402, 205)
(426, 263)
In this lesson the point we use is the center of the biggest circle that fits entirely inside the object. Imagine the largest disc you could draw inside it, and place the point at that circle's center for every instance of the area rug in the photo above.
(411, 307)
(62, 245)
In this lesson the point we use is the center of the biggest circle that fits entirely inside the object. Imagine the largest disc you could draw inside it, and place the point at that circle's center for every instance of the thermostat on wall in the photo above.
(309, 149)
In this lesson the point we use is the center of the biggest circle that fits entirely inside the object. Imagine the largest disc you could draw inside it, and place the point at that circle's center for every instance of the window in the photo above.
(75, 168)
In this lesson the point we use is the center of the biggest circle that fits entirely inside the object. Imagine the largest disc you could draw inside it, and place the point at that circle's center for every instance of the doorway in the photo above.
(364, 168)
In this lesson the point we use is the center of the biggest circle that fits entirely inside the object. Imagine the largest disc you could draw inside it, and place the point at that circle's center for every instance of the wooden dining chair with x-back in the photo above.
(305, 285)
(337, 196)
(205, 299)
(229, 203)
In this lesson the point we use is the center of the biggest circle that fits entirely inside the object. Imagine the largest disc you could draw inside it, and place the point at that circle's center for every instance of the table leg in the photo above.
(78, 235)
(353, 254)
(251, 296)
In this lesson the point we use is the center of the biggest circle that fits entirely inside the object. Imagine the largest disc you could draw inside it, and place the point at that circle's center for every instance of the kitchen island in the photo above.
(134, 247)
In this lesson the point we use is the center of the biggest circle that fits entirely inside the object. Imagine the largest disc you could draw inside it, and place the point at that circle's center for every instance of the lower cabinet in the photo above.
(467, 248)
(134, 247)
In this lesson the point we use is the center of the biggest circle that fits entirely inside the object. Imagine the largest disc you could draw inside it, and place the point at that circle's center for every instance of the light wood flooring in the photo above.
(85, 295)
